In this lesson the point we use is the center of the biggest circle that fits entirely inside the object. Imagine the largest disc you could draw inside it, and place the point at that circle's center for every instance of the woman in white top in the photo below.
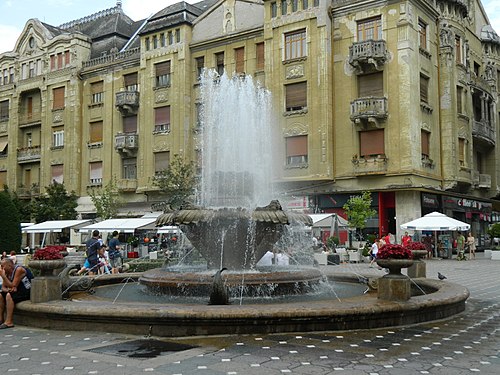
(373, 252)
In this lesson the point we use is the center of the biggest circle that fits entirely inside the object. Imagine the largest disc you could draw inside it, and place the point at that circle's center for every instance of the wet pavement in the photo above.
(464, 344)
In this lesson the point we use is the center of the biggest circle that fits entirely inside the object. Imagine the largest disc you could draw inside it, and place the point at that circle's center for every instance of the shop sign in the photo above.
(298, 203)
(430, 200)
(466, 204)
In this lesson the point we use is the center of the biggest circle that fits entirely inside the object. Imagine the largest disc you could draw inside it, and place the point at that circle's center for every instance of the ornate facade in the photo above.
(398, 98)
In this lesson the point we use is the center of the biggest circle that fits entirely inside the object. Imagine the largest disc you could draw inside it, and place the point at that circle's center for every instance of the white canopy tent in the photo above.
(121, 225)
(436, 221)
(53, 226)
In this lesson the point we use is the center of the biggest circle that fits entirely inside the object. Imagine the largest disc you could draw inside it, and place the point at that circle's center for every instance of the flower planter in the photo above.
(394, 265)
(47, 267)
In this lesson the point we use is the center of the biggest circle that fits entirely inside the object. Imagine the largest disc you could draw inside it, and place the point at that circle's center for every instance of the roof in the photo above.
(172, 15)
(121, 225)
(326, 220)
(54, 226)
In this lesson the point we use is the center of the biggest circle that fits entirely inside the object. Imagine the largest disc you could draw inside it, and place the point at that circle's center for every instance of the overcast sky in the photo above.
(15, 13)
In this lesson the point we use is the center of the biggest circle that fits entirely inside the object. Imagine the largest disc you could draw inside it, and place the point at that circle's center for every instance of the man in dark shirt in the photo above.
(115, 257)
(93, 246)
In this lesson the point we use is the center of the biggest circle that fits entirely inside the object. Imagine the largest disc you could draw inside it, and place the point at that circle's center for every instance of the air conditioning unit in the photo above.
(119, 141)
(131, 141)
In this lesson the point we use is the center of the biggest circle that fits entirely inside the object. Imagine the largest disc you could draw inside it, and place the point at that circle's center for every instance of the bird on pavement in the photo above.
(441, 276)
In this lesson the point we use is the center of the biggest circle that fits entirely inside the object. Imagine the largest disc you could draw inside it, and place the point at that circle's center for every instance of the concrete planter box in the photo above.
(487, 254)
(495, 255)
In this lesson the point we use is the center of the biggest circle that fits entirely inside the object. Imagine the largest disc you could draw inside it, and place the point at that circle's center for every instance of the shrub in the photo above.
(49, 253)
(416, 246)
(394, 251)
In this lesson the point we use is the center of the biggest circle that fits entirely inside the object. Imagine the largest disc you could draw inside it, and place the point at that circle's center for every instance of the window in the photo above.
(4, 110)
(274, 9)
(424, 89)
(170, 38)
(130, 82)
(295, 5)
(162, 161)
(129, 171)
(296, 150)
(316, 3)
(3, 178)
(239, 57)
(460, 91)
(162, 119)
(96, 132)
(162, 72)
(67, 58)
(4, 143)
(147, 44)
(162, 40)
(130, 124)
(296, 96)
(155, 42)
(283, 7)
(305, 4)
(56, 172)
(370, 29)
(458, 50)
(200, 63)
(476, 68)
(219, 62)
(178, 35)
(259, 51)
(425, 137)
(58, 98)
(422, 31)
(97, 92)
(371, 143)
(198, 114)
(371, 85)
(95, 173)
(461, 152)
(58, 137)
(295, 45)
(53, 62)
(11, 75)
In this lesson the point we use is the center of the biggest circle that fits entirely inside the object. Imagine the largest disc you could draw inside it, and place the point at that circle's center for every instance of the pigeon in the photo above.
(441, 276)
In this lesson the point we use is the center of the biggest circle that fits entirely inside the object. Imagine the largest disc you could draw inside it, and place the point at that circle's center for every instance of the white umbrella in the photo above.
(435, 221)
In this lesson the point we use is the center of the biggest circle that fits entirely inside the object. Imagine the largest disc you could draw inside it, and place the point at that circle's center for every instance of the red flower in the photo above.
(49, 253)
(394, 251)
(416, 246)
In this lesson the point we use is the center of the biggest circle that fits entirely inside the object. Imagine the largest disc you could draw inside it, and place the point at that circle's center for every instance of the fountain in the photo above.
(231, 226)
(228, 227)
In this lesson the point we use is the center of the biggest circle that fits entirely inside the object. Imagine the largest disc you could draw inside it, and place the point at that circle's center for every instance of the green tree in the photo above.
(23, 206)
(10, 224)
(358, 210)
(106, 200)
(56, 204)
(178, 182)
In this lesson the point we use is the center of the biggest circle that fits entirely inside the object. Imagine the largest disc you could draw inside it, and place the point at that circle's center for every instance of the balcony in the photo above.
(483, 131)
(126, 143)
(370, 166)
(29, 154)
(368, 55)
(475, 178)
(484, 181)
(29, 119)
(28, 192)
(127, 102)
(126, 184)
(372, 110)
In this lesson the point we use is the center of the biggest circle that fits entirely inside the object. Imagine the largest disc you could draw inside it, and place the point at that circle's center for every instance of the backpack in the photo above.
(29, 274)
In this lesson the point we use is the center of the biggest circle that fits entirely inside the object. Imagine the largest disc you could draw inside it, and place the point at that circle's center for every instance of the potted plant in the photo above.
(418, 250)
(47, 260)
(394, 257)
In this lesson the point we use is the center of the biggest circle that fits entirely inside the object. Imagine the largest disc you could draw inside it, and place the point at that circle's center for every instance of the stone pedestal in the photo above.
(394, 288)
(417, 269)
(46, 288)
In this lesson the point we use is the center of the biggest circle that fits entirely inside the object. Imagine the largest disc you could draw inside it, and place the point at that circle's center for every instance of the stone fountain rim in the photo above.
(170, 320)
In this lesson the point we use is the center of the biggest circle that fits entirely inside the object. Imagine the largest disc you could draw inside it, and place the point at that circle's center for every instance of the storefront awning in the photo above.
(122, 225)
(326, 220)
(54, 226)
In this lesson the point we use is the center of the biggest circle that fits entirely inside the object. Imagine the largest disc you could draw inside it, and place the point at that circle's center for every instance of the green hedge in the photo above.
(142, 265)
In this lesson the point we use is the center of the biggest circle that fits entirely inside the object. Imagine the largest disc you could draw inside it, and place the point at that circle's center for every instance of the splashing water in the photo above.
(236, 141)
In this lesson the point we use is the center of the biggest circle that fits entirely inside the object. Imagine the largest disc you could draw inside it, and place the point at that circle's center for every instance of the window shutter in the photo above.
(4, 110)
(4, 142)
(130, 124)
(97, 87)
(424, 89)
(219, 58)
(162, 161)
(260, 56)
(162, 68)
(162, 115)
(296, 96)
(239, 56)
(371, 85)
(296, 146)
(461, 151)
(371, 143)
(96, 170)
(425, 139)
(96, 132)
(59, 61)
(58, 98)
(130, 79)
(3, 178)
(53, 62)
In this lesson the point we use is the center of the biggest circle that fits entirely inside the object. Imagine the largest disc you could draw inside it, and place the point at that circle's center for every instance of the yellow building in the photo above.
(397, 98)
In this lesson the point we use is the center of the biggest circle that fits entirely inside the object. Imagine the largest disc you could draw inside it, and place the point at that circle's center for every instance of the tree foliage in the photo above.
(10, 224)
(178, 182)
(358, 210)
(56, 204)
(106, 200)
(494, 230)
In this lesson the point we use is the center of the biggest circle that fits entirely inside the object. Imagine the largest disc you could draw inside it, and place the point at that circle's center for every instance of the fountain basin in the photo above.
(174, 320)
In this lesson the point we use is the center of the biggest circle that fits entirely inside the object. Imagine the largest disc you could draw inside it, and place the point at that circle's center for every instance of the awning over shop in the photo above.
(326, 220)
(54, 226)
(122, 225)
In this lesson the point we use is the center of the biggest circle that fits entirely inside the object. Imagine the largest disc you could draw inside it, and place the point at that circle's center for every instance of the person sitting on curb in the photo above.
(16, 287)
